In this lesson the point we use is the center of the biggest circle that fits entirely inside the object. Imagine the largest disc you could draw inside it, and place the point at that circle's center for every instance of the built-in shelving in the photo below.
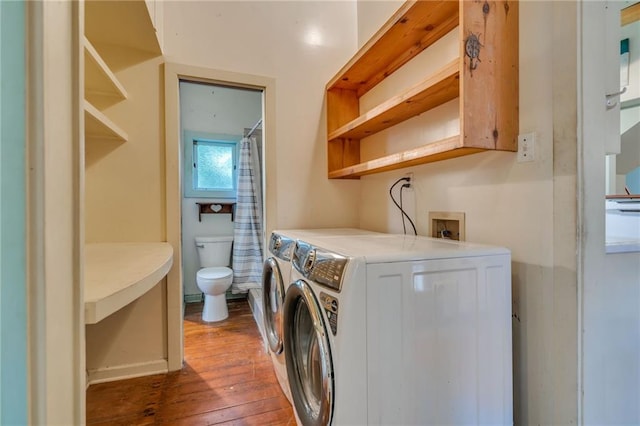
(99, 127)
(111, 26)
(116, 274)
(125, 23)
(484, 78)
(100, 81)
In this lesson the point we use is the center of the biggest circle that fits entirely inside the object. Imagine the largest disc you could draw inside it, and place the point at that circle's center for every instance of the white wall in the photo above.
(610, 324)
(301, 45)
(226, 111)
(613, 364)
(506, 203)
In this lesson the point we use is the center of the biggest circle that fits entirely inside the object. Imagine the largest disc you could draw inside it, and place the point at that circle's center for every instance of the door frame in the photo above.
(173, 73)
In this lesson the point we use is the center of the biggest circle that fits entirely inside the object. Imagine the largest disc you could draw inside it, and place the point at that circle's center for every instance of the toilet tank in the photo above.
(214, 251)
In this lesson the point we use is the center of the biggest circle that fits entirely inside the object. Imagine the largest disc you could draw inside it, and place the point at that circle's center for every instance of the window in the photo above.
(210, 165)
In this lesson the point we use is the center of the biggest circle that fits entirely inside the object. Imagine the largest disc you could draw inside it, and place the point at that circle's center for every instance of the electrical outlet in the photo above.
(410, 182)
(526, 147)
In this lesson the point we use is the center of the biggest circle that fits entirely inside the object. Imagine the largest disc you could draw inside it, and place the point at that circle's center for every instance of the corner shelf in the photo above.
(116, 274)
(484, 78)
(99, 126)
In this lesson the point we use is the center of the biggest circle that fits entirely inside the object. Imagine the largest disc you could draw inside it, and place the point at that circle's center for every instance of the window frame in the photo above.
(189, 147)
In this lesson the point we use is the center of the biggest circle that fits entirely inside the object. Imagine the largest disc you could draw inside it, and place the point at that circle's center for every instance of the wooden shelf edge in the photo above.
(100, 74)
(630, 14)
(432, 92)
(116, 274)
(99, 126)
(415, 26)
(435, 151)
(623, 197)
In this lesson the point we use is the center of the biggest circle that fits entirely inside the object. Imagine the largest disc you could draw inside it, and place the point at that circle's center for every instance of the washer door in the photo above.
(308, 356)
(272, 300)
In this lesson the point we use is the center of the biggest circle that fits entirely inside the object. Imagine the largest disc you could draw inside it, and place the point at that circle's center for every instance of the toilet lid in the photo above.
(215, 273)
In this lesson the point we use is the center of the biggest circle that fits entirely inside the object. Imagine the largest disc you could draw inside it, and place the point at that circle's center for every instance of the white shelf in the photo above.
(99, 126)
(121, 23)
(116, 274)
(100, 81)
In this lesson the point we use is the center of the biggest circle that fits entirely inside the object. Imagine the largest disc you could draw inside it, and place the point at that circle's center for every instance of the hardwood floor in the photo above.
(227, 379)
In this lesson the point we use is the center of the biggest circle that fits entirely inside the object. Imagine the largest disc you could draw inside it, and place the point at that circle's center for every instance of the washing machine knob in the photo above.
(309, 261)
(277, 243)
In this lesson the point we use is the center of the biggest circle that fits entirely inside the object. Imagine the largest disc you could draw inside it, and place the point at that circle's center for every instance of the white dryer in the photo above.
(389, 329)
(275, 280)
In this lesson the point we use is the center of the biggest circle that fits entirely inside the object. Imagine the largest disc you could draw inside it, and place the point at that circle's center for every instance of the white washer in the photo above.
(388, 329)
(275, 281)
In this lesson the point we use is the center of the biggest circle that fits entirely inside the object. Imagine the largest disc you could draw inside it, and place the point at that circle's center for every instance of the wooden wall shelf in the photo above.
(487, 88)
(216, 208)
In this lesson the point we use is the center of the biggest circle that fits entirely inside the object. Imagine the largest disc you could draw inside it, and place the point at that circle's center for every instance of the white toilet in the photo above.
(215, 278)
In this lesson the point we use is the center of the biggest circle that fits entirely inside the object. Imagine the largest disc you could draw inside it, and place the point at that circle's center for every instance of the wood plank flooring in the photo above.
(227, 379)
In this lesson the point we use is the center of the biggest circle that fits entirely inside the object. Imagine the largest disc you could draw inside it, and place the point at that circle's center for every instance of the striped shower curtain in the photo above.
(247, 240)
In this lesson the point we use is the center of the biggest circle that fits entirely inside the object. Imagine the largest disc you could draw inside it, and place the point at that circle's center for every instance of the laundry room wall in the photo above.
(213, 110)
(301, 45)
(527, 207)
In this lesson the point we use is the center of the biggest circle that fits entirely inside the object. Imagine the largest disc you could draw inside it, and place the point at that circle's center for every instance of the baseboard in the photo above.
(193, 298)
(127, 371)
(255, 303)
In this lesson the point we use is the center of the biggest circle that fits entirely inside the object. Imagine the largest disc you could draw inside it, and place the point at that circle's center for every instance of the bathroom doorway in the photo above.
(217, 109)
(215, 120)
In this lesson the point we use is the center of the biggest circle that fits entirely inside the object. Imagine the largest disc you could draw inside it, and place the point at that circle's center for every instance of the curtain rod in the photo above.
(253, 129)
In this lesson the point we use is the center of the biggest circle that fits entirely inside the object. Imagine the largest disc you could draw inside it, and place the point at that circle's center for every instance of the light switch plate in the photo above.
(526, 147)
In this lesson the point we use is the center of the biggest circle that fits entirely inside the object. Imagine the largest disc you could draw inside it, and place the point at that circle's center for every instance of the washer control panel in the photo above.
(323, 267)
(330, 305)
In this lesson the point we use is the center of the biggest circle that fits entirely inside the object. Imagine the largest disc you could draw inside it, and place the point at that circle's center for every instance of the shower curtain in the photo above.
(247, 241)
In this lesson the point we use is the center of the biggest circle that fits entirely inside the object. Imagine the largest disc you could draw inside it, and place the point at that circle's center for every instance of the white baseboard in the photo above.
(127, 371)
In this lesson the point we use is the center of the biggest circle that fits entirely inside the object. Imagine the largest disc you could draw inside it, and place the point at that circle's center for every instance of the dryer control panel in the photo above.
(281, 246)
(323, 267)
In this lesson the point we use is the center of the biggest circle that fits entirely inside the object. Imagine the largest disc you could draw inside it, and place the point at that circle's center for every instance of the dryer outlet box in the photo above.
(448, 225)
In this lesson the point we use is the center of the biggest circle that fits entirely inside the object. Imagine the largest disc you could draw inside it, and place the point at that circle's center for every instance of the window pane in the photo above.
(214, 166)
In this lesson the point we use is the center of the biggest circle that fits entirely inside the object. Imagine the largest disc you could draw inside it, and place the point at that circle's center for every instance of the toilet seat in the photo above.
(215, 273)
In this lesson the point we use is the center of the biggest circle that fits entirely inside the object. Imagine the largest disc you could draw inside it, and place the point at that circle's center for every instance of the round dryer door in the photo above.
(308, 356)
(272, 300)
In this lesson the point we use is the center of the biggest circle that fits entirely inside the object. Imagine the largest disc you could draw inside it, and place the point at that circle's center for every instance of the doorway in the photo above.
(216, 81)
(214, 120)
